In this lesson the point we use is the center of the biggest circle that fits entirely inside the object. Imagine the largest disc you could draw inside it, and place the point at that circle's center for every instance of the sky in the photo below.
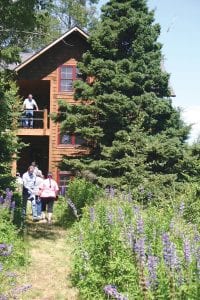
(180, 36)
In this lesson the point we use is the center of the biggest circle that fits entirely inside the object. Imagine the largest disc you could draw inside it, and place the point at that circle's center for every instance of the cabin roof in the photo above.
(32, 57)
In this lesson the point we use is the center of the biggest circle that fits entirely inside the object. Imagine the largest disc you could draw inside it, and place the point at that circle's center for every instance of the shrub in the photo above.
(150, 253)
(12, 250)
(82, 193)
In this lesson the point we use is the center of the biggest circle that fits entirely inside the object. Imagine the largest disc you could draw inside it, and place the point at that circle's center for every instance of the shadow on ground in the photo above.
(43, 230)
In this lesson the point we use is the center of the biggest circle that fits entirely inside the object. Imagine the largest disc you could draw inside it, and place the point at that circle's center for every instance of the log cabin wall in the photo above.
(47, 67)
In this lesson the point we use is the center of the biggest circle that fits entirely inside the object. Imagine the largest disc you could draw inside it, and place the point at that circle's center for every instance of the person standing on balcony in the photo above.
(29, 105)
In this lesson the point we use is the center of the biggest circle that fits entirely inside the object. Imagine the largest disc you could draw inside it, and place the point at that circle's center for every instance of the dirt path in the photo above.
(50, 261)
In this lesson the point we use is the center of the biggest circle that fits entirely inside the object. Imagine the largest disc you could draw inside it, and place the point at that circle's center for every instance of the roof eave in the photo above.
(37, 54)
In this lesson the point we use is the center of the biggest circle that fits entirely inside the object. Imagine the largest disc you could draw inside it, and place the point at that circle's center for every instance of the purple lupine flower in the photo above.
(198, 260)
(73, 207)
(3, 297)
(187, 251)
(112, 192)
(166, 248)
(169, 253)
(12, 205)
(111, 290)
(5, 250)
(1, 199)
(11, 274)
(86, 256)
(92, 214)
(9, 195)
(149, 196)
(22, 288)
(181, 208)
(171, 226)
(130, 199)
(140, 250)
(141, 189)
(129, 235)
(197, 237)
(136, 210)
(152, 269)
(120, 214)
(110, 217)
(140, 225)
(62, 190)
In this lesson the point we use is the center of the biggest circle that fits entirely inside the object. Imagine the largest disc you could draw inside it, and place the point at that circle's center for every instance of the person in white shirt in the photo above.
(29, 105)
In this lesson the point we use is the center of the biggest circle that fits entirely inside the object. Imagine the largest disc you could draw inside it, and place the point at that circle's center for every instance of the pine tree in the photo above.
(125, 114)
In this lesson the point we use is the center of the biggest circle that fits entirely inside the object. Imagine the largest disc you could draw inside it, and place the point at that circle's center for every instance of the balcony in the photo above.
(34, 123)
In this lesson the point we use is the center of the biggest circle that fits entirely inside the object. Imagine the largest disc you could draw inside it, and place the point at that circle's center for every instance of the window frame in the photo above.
(74, 77)
(59, 173)
(73, 141)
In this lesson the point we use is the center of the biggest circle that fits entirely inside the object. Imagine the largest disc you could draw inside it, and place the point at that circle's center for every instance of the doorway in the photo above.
(36, 149)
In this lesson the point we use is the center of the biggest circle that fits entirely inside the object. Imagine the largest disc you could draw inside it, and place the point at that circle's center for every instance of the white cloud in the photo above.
(191, 115)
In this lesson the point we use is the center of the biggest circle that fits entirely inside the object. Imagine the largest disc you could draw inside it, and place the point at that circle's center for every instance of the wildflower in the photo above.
(111, 290)
(5, 250)
(198, 260)
(140, 250)
(22, 288)
(3, 297)
(130, 199)
(73, 207)
(181, 208)
(120, 214)
(169, 253)
(152, 269)
(1, 267)
(141, 189)
(149, 196)
(110, 217)
(187, 251)
(140, 225)
(11, 274)
(92, 214)
(1, 199)
(112, 192)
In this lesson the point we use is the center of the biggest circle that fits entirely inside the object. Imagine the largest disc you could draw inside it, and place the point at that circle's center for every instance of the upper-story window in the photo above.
(67, 75)
(71, 139)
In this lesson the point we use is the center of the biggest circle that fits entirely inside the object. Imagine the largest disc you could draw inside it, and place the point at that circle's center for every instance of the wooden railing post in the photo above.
(45, 119)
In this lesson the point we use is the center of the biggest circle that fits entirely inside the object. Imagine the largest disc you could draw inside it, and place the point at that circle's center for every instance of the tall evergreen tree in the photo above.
(125, 114)
(18, 20)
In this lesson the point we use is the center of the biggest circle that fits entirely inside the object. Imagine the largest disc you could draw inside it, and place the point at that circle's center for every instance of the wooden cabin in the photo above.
(48, 75)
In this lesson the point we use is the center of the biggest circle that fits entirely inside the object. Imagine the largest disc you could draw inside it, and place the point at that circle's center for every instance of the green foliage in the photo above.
(16, 257)
(74, 12)
(82, 193)
(133, 132)
(117, 240)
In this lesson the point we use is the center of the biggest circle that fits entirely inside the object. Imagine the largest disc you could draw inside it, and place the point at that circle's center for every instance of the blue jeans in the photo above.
(34, 207)
(28, 118)
(39, 206)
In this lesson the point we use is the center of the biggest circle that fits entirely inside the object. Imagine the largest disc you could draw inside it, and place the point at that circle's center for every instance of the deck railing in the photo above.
(34, 119)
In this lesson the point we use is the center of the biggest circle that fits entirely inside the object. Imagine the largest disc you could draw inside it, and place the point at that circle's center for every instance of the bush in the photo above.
(12, 250)
(82, 193)
(150, 253)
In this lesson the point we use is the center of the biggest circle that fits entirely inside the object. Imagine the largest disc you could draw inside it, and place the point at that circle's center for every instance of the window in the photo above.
(71, 139)
(67, 75)
(63, 181)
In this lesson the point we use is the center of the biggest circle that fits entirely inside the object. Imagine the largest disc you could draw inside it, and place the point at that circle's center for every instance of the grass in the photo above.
(50, 263)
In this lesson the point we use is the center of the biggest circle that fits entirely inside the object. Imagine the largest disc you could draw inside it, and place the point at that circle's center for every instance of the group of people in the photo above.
(39, 191)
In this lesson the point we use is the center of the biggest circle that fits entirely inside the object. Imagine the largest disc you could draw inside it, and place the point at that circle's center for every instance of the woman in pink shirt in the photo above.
(48, 193)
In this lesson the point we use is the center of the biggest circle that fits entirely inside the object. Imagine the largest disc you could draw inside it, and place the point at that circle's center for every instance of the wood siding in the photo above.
(46, 67)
